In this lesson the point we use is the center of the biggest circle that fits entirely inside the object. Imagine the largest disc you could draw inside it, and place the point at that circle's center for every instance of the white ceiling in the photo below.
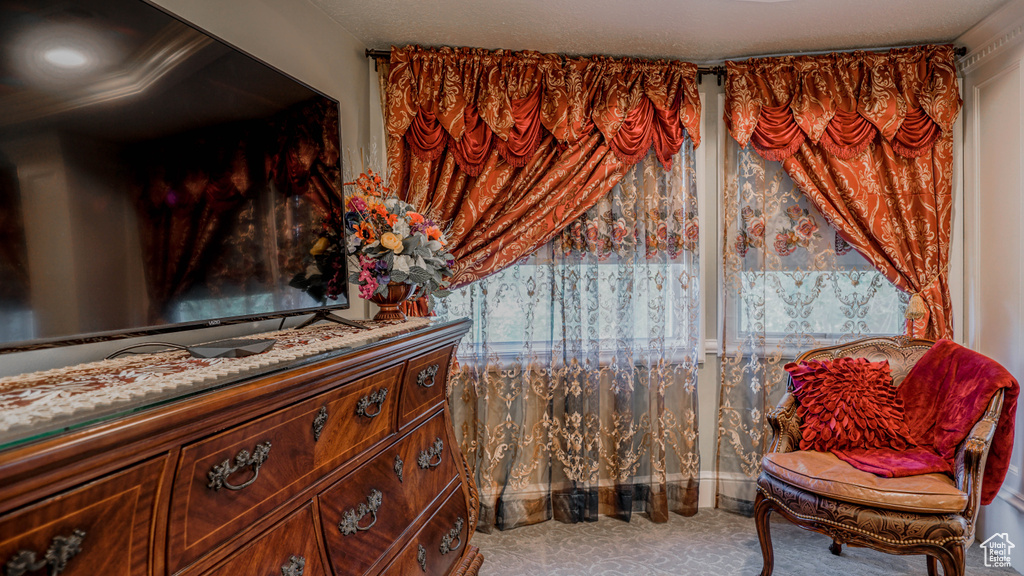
(701, 31)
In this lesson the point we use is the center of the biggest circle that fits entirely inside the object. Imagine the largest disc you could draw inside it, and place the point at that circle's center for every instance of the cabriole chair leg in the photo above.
(762, 515)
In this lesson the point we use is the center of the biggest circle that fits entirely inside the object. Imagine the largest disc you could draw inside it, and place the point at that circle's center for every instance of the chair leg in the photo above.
(952, 559)
(835, 547)
(931, 566)
(762, 514)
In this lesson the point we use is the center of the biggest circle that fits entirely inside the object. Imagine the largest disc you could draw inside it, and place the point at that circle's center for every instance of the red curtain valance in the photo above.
(473, 100)
(843, 101)
(868, 139)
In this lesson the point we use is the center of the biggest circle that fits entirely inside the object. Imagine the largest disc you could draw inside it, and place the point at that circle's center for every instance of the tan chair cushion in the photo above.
(824, 474)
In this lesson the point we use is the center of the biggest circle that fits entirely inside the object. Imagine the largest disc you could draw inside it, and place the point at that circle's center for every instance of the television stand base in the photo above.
(325, 315)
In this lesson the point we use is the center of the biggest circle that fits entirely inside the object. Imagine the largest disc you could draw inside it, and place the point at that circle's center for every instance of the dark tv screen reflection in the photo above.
(152, 177)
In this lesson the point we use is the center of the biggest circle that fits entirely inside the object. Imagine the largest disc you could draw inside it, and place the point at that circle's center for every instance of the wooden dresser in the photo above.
(342, 464)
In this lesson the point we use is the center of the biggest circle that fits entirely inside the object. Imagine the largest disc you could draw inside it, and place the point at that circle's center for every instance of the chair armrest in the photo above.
(972, 453)
(785, 425)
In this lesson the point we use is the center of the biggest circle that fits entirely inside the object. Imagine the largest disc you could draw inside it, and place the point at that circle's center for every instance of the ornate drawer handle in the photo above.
(62, 549)
(219, 474)
(319, 422)
(426, 457)
(421, 557)
(453, 539)
(427, 374)
(399, 468)
(350, 520)
(378, 397)
(295, 567)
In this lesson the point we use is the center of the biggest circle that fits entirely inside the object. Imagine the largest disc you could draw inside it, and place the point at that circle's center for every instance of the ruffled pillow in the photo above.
(848, 403)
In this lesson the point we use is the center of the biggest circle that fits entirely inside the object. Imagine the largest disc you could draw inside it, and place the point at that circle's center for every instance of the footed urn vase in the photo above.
(391, 301)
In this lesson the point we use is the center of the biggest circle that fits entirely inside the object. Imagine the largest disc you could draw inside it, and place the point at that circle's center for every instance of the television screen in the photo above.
(152, 177)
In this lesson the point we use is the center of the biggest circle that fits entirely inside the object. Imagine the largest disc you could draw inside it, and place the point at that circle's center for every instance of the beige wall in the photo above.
(299, 39)
(993, 240)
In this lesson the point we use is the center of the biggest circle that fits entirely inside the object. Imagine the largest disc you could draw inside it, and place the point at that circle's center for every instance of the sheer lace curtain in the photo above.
(789, 284)
(576, 389)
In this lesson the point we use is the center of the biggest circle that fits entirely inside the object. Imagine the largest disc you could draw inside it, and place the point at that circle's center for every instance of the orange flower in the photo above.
(414, 218)
(379, 210)
(392, 218)
(370, 184)
(434, 233)
(365, 232)
(366, 185)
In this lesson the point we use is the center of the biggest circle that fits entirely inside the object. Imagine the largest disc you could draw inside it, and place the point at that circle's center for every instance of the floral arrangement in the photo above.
(390, 242)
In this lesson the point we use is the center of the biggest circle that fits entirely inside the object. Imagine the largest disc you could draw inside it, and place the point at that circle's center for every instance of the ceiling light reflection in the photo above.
(58, 56)
(65, 57)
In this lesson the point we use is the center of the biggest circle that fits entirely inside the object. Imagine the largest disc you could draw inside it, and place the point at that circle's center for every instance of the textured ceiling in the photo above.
(694, 30)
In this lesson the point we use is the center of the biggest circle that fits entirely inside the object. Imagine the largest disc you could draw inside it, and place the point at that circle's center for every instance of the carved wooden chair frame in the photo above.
(942, 537)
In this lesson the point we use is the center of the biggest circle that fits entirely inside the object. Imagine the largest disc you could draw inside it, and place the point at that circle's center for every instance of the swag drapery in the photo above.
(507, 148)
(576, 390)
(847, 180)
(867, 137)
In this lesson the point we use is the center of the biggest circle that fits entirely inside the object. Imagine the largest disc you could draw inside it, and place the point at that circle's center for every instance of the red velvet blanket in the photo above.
(944, 395)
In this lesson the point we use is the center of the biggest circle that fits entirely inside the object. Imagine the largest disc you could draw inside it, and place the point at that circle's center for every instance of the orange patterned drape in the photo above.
(867, 137)
(508, 148)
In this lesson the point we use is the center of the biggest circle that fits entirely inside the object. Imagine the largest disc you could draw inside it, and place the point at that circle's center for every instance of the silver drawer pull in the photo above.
(453, 539)
(421, 557)
(426, 376)
(378, 397)
(295, 567)
(319, 422)
(62, 549)
(399, 468)
(350, 519)
(431, 457)
(221, 472)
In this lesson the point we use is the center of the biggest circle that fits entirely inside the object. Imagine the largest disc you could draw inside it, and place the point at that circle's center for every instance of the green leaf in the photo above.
(419, 276)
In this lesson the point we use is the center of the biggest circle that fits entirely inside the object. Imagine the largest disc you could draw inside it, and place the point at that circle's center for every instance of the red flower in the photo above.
(785, 244)
(806, 228)
(592, 231)
(756, 228)
(619, 231)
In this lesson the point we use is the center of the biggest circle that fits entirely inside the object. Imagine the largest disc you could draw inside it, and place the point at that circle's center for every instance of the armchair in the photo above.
(929, 514)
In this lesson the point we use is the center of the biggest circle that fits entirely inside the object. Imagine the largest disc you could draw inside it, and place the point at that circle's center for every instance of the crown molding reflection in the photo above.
(171, 48)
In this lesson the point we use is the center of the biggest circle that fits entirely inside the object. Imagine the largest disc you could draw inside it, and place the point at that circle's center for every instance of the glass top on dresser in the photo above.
(41, 404)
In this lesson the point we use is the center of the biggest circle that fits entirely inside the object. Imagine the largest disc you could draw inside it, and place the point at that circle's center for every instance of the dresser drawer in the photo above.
(228, 481)
(289, 549)
(366, 513)
(425, 382)
(439, 544)
(103, 527)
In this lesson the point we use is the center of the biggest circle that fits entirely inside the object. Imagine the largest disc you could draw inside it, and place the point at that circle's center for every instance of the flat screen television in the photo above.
(152, 177)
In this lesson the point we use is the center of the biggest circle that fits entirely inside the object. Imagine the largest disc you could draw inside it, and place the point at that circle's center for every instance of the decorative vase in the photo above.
(391, 301)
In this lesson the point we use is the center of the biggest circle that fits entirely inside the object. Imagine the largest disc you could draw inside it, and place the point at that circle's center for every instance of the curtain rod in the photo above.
(718, 71)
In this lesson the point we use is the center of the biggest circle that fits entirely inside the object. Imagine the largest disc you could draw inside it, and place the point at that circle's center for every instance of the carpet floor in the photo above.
(713, 542)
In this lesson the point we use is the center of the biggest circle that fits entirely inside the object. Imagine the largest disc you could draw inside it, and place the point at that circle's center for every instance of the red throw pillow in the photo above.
(848, 403)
